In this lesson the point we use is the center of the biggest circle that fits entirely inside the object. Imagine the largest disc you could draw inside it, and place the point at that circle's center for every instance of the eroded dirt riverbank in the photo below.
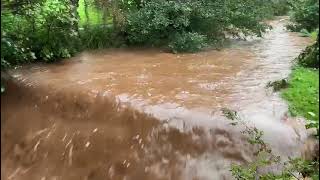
(146, 114)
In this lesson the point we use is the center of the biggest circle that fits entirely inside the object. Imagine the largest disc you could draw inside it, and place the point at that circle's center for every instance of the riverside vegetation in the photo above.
(51, 30)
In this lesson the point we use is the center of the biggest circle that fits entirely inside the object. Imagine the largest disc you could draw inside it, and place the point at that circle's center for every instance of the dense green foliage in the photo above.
(45, 30)
(304, 15)
(280, 7)
(187, 42)
(310, 56)
(49, 30)
(169, 23)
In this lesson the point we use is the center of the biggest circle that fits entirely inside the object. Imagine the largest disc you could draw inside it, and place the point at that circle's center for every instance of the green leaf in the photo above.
(312, 114)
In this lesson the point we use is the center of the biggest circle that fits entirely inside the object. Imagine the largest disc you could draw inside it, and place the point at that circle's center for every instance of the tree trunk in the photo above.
(75, 5)
(86, 5)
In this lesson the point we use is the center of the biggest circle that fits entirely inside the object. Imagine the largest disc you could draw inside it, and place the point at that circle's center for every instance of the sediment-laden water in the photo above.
(135, 114)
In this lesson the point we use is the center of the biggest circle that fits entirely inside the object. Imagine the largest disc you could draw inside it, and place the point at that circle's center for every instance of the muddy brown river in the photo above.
(134, 114)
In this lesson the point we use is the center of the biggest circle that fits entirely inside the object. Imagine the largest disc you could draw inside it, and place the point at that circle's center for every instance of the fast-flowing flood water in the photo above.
(134, 114)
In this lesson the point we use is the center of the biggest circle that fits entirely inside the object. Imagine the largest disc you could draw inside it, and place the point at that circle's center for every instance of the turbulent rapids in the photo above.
(146, 114)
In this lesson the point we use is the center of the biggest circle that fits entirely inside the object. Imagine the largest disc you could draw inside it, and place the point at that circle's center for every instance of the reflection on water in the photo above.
(145, 114)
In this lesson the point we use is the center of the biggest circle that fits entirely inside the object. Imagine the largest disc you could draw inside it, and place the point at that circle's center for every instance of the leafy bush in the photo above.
(14, 51)
(187, 42)
(40, 30)
(159, 21)
(57, 36)
(14, 48)
(304, 15)
(97, 37)
(280, 7)
(310, 56)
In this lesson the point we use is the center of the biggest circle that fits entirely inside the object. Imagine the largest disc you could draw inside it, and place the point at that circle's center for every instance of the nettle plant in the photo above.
(293, 168)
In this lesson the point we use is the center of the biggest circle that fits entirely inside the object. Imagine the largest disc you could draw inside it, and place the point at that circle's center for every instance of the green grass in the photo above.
(314, 34)
(303, 93)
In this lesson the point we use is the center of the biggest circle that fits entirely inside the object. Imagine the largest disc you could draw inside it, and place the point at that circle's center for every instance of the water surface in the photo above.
(146, 114)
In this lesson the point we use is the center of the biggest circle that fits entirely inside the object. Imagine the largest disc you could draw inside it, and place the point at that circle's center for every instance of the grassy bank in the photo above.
(303, 93)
